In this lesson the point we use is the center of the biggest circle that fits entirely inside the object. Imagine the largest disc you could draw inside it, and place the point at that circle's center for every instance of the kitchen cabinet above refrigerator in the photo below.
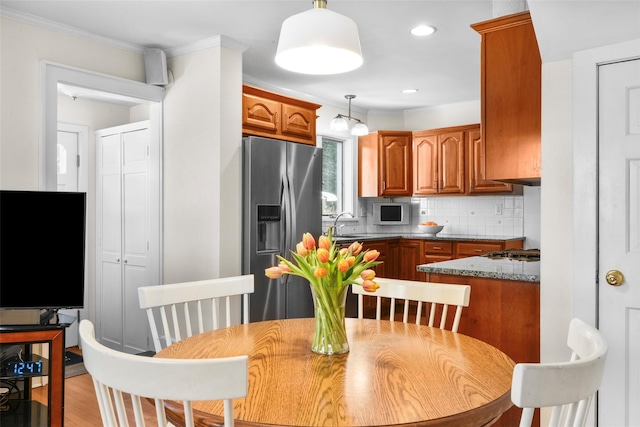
(272, 115)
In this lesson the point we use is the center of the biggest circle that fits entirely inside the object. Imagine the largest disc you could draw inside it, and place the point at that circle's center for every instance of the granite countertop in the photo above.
(502, 268)
(455, 237)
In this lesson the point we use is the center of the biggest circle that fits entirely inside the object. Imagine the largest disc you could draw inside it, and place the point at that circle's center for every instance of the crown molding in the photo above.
(215, 41)
(300, 95)
(69, 30)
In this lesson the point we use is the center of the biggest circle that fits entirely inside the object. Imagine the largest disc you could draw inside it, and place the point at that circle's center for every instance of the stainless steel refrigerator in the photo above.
(282, 184)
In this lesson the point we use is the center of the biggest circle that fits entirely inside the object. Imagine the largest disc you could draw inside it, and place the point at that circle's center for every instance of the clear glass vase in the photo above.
(329, 332)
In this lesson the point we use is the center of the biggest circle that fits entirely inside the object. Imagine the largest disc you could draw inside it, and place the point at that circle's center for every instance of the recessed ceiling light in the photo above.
(423, 30)
(409, 90)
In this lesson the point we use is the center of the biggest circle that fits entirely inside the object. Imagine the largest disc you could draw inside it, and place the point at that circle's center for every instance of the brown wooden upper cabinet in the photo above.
(385, 164)
(272, 115)
(438, 161)
(510, 96)
(476, 167)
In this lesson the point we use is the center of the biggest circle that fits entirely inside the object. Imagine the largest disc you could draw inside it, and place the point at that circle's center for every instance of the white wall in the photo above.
(22, 47)
(557, 210)
(463, 113)
(382, 121)
(202, 166)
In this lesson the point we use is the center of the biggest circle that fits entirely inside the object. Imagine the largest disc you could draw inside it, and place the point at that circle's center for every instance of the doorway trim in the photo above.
(585, 172)
(51, 74)
(83, 186)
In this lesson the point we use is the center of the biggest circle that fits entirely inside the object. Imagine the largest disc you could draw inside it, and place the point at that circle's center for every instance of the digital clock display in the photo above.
(24, 369)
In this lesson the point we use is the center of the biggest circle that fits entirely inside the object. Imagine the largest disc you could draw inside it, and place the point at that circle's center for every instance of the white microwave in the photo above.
(391, 213)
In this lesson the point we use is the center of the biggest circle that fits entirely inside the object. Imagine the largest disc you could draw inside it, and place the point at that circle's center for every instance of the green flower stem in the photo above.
(329, 335)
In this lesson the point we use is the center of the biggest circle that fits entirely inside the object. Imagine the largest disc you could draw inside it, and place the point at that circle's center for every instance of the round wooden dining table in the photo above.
(395, 374)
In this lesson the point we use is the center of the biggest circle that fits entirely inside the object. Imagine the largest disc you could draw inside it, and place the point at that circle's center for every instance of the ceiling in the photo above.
(444, 67)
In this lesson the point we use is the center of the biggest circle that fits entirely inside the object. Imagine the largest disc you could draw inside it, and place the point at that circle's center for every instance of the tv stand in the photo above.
(47, 315)
(19, 365)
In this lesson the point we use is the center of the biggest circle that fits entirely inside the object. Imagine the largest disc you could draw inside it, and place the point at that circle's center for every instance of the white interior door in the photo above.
(109, 312)
(136, 229)
(68, 161)
(127, 234)
(72, 175)
(619, 236)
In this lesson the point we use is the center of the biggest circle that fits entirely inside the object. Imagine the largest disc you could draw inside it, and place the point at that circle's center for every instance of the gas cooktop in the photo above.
(519, 254)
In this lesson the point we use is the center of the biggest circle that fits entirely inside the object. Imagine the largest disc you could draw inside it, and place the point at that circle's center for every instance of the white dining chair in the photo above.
(438, 295)
(568, 387)
(122, 381)
(198, 301)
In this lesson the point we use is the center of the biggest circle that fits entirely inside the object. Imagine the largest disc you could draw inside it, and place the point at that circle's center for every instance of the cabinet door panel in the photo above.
(476, 167)
(451, 167)
(260, 113)
(298, 121)
(409, 257)
(396, 165)
(425, 165)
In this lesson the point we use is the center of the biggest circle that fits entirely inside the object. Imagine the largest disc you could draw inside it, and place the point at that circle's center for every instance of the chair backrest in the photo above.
(194, 299)
(116, 375)
(439, 295)
(568, 387)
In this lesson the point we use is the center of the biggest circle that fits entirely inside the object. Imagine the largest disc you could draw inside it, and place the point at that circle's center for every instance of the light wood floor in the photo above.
(80, 403)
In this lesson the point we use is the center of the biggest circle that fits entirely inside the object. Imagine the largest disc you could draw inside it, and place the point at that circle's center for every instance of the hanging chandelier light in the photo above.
(341, 122)
(319, 41)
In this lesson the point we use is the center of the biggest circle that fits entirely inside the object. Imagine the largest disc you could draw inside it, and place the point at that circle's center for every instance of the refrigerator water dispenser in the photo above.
(268, 228)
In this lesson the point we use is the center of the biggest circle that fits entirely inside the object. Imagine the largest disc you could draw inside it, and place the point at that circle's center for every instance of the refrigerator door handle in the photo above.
(288, 216)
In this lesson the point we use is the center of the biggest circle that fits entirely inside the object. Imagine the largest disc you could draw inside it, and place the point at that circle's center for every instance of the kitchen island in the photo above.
(504, 307)
(489, 268)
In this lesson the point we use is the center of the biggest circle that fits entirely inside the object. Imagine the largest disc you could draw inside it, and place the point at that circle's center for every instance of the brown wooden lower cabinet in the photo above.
(505, 314)
(410, 255)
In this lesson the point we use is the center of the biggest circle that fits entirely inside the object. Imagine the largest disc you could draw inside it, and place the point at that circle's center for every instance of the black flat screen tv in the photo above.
(42, 249)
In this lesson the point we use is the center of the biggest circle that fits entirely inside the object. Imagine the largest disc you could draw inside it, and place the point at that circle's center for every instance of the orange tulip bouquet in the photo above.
(330, 271)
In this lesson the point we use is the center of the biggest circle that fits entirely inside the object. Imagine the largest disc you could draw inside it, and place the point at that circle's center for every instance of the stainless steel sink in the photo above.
(351, 237)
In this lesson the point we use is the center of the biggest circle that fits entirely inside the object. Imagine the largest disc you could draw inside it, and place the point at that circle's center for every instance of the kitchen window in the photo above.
(338, 175)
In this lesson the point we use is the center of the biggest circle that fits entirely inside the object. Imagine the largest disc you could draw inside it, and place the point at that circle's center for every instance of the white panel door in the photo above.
(67, 160)
(127, 214)
(136, 228)
(619, 235)
(109, 309)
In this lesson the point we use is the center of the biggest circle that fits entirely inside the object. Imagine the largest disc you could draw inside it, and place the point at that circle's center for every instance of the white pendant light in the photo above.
(341, 123)
(359, 129)
(319, 42)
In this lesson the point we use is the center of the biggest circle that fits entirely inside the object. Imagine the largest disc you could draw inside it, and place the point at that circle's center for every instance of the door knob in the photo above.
(614, 277)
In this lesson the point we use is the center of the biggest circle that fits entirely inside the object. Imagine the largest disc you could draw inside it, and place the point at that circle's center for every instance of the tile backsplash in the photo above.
(469, 215)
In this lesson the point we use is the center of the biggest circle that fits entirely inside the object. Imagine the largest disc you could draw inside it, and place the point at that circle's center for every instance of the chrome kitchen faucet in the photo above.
(335, 222)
